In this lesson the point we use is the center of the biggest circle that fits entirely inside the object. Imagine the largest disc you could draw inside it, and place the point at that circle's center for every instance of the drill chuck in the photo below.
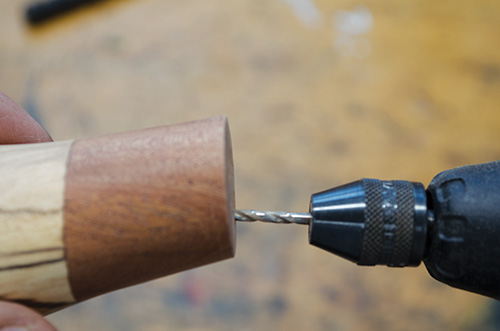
(453, 226)
(372, 222)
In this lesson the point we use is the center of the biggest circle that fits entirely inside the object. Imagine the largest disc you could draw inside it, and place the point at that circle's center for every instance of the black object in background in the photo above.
(42, 11)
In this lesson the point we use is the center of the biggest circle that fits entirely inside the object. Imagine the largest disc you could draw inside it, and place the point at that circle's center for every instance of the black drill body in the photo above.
(453, 226)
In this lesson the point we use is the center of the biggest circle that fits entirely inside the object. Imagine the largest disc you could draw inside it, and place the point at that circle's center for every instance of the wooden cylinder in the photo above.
(86, 217)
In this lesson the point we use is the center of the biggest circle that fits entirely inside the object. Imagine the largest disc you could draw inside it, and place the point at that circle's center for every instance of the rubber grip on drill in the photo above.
(464, 250)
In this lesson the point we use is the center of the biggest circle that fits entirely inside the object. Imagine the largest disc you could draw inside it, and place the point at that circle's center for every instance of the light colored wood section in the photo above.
(32, 264)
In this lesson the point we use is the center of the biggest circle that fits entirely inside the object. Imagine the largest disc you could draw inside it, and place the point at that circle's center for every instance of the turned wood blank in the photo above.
(114, 211)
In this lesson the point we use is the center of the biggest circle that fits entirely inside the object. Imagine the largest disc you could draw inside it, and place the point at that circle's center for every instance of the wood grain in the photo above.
(145, 204)
(32, 263)
(306, 113)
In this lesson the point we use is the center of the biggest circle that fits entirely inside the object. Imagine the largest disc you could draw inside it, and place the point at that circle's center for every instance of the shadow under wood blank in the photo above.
(85, 217)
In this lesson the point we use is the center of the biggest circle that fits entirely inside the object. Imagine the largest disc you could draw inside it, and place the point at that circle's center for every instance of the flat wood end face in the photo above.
(144, 204)
(230, 193)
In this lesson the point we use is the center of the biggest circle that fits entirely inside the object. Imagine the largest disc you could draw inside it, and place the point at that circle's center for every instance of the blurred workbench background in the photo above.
(318, 93)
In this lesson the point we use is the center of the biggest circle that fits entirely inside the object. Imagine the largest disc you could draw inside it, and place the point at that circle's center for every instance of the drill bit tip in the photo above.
(248, 215)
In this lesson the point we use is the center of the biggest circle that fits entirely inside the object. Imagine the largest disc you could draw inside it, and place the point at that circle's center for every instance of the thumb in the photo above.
(14, 317)
(16, 126)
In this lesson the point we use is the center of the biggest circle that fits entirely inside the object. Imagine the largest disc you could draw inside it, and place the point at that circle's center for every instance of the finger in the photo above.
(16, 317)
(16, 126)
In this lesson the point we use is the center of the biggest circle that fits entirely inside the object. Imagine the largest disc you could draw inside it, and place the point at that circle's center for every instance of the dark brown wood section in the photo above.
(144, 204)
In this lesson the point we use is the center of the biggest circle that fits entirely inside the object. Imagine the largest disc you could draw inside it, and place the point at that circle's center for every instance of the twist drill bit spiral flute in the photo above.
(248, 215)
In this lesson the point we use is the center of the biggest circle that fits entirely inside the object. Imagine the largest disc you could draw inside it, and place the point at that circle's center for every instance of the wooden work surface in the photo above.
(318, 93)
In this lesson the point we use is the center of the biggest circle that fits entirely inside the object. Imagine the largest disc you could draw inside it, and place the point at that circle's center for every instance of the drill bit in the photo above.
(272, 217)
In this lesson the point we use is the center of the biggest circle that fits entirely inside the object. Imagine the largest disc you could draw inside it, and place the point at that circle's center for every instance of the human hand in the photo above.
(17, 127)
(14, 317)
